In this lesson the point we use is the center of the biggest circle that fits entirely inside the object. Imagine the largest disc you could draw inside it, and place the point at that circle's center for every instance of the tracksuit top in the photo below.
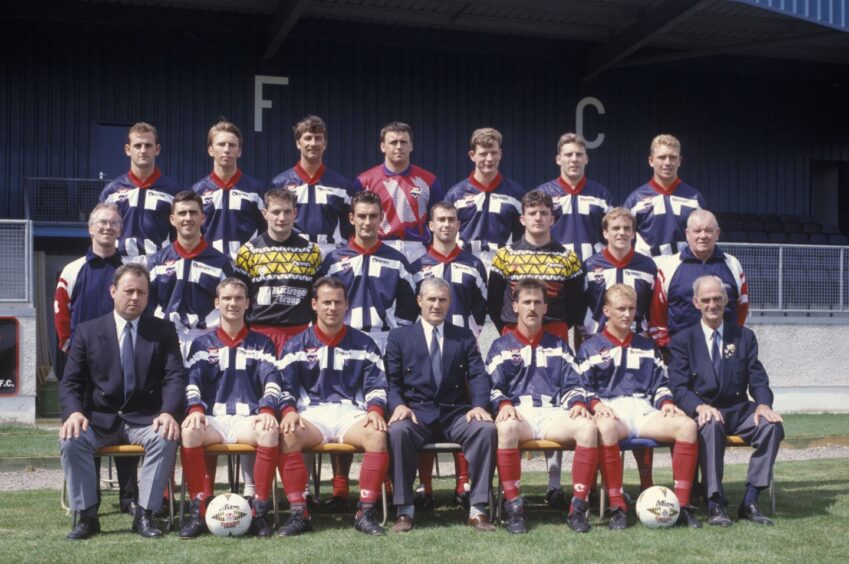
(541, 372)
(611, 368)
(466, 277)
(182, 284)
(324, 201)
(379, 286)
(553, 265)
(489, 215)
(233, 210)
(145, 207)
(662, 215)
(672, 306)
(280, 276)
(406, 198)
(602, 271)
(233, 376)
(578, 213)
(82, 293)
(345, 369)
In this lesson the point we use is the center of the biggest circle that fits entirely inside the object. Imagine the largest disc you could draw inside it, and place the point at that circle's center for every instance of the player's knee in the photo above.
(375, 441)
(687, 430)
(266, 437)
(291, 441)
(607, 430)
(191, 438)
(587, 433)
(508, 433)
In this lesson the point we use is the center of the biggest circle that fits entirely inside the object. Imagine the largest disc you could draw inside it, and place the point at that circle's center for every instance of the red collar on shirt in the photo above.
(370, 251)
(304, 175)
(147, 182)
(444, 258)
(326, 339)
(617, 342)
(525, 341)
(612, 259)
(237, 340)
(201, 247)
(230, 183)
(569, 189)
(660, 189)
(485, 188)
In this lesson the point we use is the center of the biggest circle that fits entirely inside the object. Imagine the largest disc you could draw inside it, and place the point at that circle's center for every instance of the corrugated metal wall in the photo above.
(748, 140)
(832, 13)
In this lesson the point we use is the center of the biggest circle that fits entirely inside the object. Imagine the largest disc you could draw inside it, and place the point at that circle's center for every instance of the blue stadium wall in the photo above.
(750, 129)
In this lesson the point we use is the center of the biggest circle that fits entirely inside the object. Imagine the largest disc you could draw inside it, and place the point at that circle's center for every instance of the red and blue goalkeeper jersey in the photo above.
(466, 277)
(602, 271)
(347, 368)
(662, 214)
(538, 372)
(489, 215)
(324, 201)
(406, 198)
(233, 210)
(233, 376)
(145, 207)
(578, 213)
(611, 368)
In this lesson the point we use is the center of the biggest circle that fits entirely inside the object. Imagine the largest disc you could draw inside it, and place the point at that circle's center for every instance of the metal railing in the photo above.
(61, 200)
(15, 261)
(794, 278)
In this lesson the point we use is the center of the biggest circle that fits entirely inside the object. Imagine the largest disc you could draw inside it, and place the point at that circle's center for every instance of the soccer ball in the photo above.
(658, 507)
(228, 515)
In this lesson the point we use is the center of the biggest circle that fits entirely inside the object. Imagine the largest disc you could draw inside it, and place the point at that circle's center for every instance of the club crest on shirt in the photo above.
(605, 356)
(597, 275)
(516, 356)
(345, 263)
(212, 356)
(312, 355)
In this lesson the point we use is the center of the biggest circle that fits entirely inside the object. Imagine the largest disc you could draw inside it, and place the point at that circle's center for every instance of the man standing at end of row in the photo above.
(406, 191)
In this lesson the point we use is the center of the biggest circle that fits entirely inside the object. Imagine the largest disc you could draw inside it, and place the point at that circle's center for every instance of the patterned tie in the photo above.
(128, 361)
(435, 358)
(714, 353)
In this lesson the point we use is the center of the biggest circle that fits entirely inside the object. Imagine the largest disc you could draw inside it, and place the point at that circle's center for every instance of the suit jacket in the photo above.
(692, 378)
(465, 383)
(93, 382)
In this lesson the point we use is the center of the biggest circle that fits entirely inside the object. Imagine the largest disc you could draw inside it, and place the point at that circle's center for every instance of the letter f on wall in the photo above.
(259, 103)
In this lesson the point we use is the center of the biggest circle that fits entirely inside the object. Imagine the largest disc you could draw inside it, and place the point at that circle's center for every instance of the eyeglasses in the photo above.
(101, 223)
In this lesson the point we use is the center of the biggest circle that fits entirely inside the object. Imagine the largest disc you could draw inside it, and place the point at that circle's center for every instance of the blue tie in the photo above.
(128, 361)
(435, 358)
(715, 355)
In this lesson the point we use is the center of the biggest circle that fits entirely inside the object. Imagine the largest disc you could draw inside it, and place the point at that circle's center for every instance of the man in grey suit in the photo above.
(713, 370)
(124, 382)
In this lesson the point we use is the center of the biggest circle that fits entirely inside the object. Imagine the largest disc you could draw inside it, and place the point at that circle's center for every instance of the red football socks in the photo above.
(611, 473)
(293, 471)
(461, 468)
(372, 473)
(584, 464)
(510, 470)
(194, 469)
(685, 456)
(264, 467)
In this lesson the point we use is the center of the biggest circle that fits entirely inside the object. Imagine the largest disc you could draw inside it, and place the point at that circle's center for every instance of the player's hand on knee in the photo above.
(507, 411)
(265, 422)
(291, 422)
(579, 410)
(195, 421)
(478, 414)
(669, 409)
(167, 426)
(602, 411)
(403, 412)
(72, 426)
(767, 413)
(376, 419)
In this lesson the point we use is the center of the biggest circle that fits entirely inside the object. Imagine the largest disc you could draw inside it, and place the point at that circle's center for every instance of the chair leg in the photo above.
(602, 495)
(230, 477)
(316, 464)
(772, 496)
(170, 526)
(385, 503)
(182, 498)
(498, 493)
(62, 498)
(436, 463)
(274, 501)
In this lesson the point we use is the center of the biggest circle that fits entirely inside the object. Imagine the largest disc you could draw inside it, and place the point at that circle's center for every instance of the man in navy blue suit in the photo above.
(714, 368)
(438, 390)
(124, 382)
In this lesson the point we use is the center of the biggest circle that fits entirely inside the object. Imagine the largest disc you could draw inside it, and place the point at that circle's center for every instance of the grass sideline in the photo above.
(813, 508)
(40, 442)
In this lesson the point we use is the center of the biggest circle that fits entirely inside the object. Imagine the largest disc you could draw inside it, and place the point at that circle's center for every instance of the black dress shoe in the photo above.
(718, 517)
(366, 520)
(753, 513)
(577, 518)
(403, 524)
(687, 518)
(85, 527)
(143, 524)
(515, 522)
(618, 520)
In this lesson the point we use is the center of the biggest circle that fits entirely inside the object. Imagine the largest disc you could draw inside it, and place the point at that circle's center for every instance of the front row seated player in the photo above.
(232, 394)
(537, 394)
(334, 391)
(628, 388)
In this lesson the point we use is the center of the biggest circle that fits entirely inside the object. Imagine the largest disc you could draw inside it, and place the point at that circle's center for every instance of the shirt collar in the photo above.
(326, 339)
(534, 343)
(709, 332)
(429, 328)
(120, 322)
(235, 341)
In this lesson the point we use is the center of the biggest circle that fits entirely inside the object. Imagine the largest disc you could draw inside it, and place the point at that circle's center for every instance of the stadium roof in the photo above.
(617, 33)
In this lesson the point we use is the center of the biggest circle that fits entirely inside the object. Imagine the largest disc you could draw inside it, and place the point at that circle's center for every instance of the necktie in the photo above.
(435, 358)
(128, 360)
(715, 354)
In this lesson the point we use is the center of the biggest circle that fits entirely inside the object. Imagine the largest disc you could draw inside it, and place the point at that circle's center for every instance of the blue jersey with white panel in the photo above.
(661, 215)
(489, 215)
(578, 212)
(233, 210)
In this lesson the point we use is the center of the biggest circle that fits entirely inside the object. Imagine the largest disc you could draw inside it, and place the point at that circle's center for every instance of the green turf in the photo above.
(813, 508)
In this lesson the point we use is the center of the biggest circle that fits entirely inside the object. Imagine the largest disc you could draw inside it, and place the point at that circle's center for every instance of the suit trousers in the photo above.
(478, 439)
(82, 478)
(765, 438)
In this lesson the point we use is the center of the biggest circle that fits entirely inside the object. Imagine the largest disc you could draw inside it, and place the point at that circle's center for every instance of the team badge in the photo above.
(312, 355)
(606, 357)
(212, 356)
(516, 356)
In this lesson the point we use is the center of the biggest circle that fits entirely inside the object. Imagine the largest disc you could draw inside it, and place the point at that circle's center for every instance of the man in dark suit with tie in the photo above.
(438, 390)
(124, 382)
(713, 370)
